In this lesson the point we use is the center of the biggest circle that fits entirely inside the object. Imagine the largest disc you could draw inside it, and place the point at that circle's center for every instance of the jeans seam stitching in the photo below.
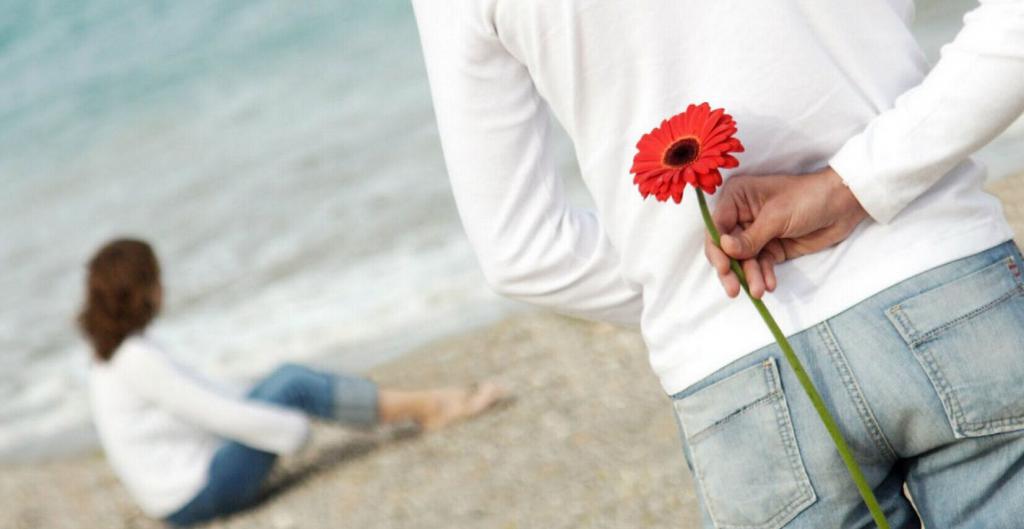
(962, 424)
(942, 386)
(785, 425)
(949, 399)
(922, 338)
(767, 399)
(788, 433)
(927, 361)
(805, 494)
(909, 331)
(797, 503)
(853, 389)
(977, 427)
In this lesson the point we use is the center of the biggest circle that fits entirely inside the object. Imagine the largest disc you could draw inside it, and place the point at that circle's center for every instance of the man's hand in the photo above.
(765, 220)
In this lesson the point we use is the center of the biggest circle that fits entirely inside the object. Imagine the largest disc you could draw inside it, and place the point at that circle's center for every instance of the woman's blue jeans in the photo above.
(237, 471)
(926, 380)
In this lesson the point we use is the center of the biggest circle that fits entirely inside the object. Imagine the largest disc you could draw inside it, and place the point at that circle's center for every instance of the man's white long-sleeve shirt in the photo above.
(809, 83)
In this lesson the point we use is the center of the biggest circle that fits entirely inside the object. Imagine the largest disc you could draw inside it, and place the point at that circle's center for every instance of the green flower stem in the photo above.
(801, 375)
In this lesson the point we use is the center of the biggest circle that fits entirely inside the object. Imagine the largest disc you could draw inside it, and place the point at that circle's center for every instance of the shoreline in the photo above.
(595, 446)
(560, 455)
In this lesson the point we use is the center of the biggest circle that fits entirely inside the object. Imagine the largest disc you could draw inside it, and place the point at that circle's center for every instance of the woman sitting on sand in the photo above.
(187, 449)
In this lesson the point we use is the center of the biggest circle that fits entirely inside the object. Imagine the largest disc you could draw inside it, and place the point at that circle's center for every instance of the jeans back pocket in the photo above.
(968, 336)
(743, 450)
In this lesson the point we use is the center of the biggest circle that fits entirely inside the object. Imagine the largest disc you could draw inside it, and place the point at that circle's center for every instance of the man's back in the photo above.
(801, 78)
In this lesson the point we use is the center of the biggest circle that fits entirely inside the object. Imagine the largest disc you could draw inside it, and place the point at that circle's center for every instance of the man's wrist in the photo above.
(841, 197)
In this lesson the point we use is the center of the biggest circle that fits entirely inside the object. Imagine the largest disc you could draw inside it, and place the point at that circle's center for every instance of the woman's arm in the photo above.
(971, 95)
(148, 371)
(495, 131)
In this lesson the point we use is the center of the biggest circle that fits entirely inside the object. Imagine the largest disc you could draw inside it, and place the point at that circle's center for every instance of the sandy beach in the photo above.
(591, 447)
(595, 447)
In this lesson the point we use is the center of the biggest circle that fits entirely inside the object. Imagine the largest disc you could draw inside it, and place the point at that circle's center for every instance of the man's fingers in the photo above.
(777, 251)
(731, 284)
(755, 279)
(725, 216)
(812, 242)
(767, 263)
(720, 262)
(760, 272)
(748, 243)
(716, 256)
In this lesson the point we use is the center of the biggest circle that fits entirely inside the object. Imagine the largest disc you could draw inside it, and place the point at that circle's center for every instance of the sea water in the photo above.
(281, 157)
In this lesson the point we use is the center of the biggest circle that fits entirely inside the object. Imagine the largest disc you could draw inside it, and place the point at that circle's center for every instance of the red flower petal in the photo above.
(688, 148)
(689, 176)
(667, 162)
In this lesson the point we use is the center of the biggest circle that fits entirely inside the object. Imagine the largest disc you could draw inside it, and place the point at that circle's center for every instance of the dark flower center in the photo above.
(682, 152)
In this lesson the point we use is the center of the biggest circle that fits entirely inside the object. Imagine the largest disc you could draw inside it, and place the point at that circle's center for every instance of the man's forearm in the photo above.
(974, 92)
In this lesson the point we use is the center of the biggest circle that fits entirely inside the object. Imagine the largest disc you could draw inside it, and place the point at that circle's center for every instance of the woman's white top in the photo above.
(161, 424)
(809, 82)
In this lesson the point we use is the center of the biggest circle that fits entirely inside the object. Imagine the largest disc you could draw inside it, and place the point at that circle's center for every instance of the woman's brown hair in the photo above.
(122, 294)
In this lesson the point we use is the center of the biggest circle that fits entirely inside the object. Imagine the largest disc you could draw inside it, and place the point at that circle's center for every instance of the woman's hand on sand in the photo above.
(767, 219)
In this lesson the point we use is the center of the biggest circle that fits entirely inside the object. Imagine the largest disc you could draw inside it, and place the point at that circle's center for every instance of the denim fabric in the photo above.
(926, 379)
(237, 471)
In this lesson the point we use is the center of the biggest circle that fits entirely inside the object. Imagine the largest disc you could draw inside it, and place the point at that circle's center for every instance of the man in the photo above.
(905, 303)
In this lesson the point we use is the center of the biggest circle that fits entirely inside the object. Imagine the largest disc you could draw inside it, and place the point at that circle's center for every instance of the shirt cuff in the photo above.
(855, 170)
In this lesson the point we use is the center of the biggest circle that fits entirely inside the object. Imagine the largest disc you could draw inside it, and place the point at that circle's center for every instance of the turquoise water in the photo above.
(282, 158)
(83, 66)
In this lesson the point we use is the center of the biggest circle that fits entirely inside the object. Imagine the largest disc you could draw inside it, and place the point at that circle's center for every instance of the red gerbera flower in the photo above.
(687, 148)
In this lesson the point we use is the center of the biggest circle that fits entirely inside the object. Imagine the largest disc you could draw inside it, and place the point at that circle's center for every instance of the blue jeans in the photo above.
(237, 471)
(926, 379)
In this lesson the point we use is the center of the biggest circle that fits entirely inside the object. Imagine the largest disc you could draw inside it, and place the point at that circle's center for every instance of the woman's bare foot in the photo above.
(451, 405)
(437, 408)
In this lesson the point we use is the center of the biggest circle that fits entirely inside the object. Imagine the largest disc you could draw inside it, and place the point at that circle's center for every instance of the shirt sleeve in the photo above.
(972, 94)
(263, 426)
(494, 127)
